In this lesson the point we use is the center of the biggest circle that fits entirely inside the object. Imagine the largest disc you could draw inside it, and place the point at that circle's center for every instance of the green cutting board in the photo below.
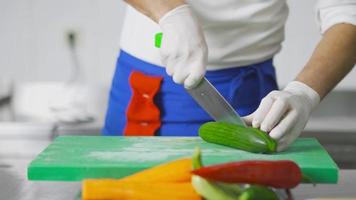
(73, 158)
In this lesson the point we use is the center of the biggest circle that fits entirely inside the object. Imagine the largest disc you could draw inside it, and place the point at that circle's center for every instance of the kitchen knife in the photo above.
(206, 95)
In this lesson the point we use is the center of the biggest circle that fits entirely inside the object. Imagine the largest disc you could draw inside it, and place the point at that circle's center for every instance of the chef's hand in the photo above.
(284, 114)
(183, 48)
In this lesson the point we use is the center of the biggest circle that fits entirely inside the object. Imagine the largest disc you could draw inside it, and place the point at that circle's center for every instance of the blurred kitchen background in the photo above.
(57, 59)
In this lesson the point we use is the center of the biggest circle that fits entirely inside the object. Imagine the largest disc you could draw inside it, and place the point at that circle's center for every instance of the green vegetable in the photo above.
(307, 179)
(212, 190)
(239, 137)
(257, 192)
(196, 159)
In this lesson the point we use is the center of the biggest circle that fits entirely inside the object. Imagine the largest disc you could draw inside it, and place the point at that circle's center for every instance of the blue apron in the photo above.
(243, 88)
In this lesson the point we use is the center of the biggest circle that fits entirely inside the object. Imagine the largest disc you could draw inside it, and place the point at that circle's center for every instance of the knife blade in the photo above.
(207, 96)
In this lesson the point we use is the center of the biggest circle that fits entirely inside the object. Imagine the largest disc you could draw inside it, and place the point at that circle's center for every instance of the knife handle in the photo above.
(158, 39)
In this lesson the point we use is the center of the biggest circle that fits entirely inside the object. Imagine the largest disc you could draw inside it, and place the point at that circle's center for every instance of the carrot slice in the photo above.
(125, 190)
(166, 181)
(174, 171)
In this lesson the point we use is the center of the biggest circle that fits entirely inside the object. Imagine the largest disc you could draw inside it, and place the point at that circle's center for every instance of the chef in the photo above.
(232, 43)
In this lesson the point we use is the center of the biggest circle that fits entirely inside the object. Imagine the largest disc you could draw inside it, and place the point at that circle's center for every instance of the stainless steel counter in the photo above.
(346, 188)
(14, 186)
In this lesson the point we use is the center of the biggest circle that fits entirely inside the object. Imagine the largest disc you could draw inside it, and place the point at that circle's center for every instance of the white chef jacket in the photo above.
(238, 32)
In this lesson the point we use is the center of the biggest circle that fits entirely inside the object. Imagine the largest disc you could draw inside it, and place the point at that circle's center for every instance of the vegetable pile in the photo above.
(244, 180)
(188, 179)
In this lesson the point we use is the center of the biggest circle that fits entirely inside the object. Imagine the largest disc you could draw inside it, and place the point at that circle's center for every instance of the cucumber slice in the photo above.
(215, 191)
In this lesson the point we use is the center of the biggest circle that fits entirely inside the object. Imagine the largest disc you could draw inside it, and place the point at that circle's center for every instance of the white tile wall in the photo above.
(32, 38)
(33, 47)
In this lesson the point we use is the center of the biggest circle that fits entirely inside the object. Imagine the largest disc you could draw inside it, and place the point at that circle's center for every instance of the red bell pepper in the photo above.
(277, 174)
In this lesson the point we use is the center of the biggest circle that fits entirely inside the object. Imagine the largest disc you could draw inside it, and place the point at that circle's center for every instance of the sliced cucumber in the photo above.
(239, 137)
(214, 191)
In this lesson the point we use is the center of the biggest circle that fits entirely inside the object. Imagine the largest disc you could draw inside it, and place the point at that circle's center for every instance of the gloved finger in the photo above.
(192, 81)
(248, 119)
(282, 145)
(168, 65)
(164, 52)
(287, 140)
(180, 75)
(168, 55)
(262, 110)
(180, 71)
(284, 125)
(196, 75)
(274, 115)
(173, 63)
(170, 70)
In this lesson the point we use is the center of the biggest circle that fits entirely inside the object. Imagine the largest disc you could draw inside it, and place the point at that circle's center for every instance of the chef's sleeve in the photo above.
(332, 12)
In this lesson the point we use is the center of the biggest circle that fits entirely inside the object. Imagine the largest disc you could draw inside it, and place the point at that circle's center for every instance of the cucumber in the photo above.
(239, 137)
(257, 192)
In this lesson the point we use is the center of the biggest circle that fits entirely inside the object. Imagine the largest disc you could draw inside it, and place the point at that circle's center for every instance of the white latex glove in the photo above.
(284, 114)
(183, 50)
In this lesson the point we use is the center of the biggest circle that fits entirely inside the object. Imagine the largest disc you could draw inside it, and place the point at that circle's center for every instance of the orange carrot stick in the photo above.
(125, 190)
(174, 171)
